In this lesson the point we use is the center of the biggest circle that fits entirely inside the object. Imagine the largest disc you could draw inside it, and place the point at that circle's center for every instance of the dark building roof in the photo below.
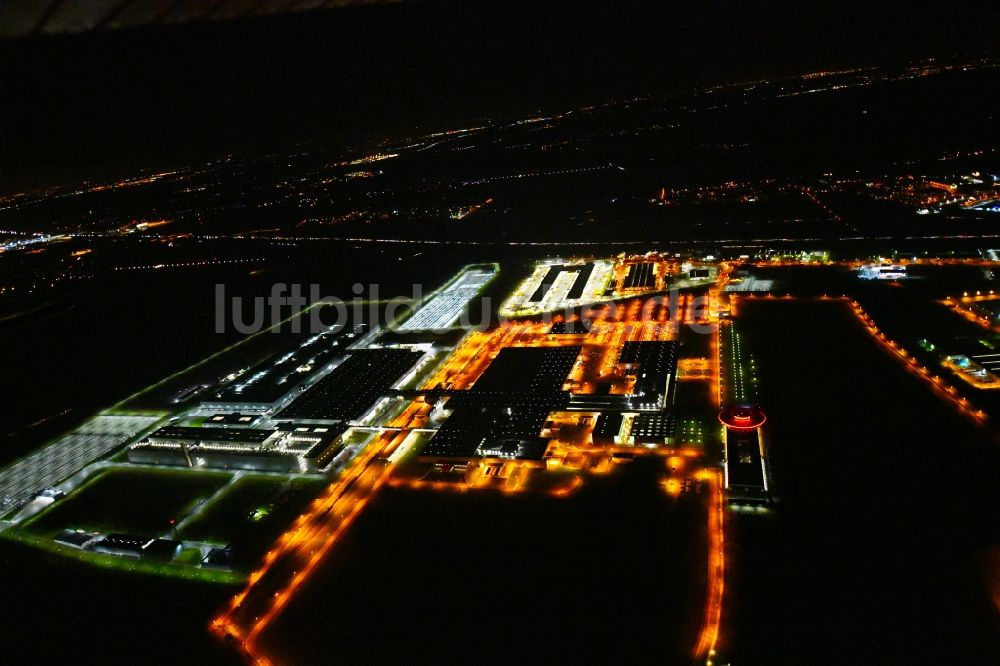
(583, 272)
(546, 284)
(75, 538)
(743, 460)
(640, 276)
(508, 404)
(473, 427)
(569, 328)
(229, 435)
(123, 543)
(162, 549)
(655, 362)
(221, 558)
(330, 430)
(233, 418)
(576, 291)
(323, 450)
(652, 427)
(275, 377)
(350, 389)
(526, 372)
(607, 426)
(520, 449)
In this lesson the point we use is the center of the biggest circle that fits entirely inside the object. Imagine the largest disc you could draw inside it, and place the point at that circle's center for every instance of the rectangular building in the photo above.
(352, 388)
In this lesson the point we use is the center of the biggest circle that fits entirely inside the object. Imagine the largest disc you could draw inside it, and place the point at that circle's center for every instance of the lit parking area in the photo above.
(445, 308)
(66, 456)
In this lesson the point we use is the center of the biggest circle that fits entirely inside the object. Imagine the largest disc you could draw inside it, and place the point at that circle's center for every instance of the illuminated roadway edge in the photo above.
(312, 536)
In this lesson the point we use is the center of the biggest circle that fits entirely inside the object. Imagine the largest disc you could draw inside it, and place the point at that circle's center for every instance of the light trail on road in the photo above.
(711, 623)
(938, 386)
(297, 552)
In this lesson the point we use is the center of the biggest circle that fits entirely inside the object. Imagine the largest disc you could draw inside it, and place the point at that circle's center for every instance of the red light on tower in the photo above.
(742, 417)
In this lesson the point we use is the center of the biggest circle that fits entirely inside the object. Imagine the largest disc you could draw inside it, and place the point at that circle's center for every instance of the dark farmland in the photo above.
(614, 573)
(111, 616)
(877, 550)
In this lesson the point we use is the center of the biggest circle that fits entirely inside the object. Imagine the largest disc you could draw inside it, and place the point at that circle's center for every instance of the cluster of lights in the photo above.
(963, 306)
(311, 536)
(186, 264)
(937, 385)
(536, 174)
(709, 636)
(20, 243)
(691, 431)
(742, 373)
(369, 159)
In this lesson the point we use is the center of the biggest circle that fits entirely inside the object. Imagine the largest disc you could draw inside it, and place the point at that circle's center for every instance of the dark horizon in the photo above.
(110, 102)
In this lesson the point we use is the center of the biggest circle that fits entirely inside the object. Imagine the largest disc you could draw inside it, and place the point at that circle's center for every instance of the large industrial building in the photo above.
(556, 285)
(289, 448)
(641, 277)
(351, 389)
(745, 460)
(265, 384)
(505, 412)
(502, 415)
(634, 429)
(652, 368)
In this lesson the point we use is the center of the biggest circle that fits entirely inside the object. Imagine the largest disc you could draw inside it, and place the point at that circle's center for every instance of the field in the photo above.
(252, 513)
(143, 502)
(513, 578)
(94, 607)
(882, 523)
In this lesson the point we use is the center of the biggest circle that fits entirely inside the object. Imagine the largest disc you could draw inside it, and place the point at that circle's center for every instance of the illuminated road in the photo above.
(292, 559)
(297, 553)
(711, 623)
(963, 307)
(937, 385)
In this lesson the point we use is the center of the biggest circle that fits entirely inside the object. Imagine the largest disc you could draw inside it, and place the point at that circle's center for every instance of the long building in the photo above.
(447, 306)
(614, 428)
(555, 286)
(640, 277)
(288, 448)
(745, 460)
(504, 412)
(653, 365)
(352, 389)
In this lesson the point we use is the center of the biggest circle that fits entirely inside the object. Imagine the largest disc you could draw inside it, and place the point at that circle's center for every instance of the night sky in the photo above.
(122, 99)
